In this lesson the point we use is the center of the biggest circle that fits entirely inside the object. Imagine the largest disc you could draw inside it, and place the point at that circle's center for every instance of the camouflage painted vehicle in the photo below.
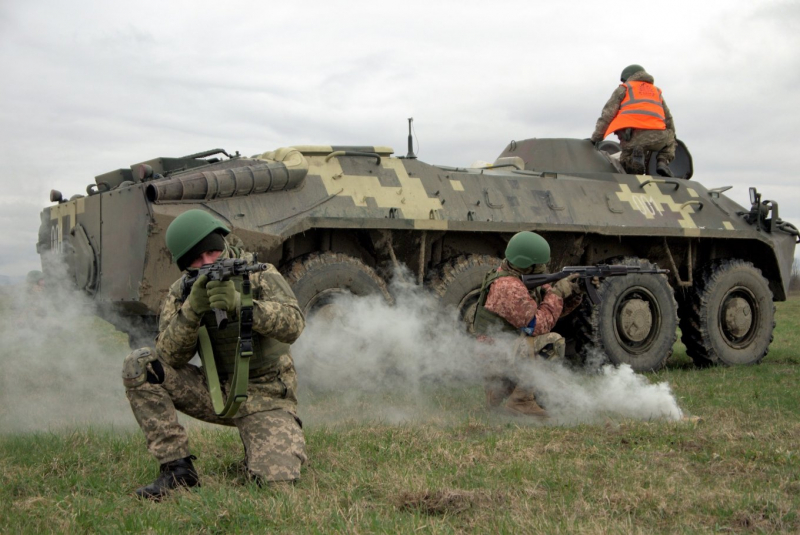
(337, 219)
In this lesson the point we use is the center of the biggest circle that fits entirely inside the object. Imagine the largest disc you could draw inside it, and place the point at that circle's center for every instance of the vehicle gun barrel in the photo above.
(234, 182)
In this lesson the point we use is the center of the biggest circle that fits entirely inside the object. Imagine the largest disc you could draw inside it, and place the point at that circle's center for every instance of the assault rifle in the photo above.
(586, 274)
(221, 270)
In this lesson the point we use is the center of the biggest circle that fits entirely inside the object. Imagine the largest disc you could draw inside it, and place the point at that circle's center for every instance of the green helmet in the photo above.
(189, 229)
(33, 277)
(527, 248)
(629, 71)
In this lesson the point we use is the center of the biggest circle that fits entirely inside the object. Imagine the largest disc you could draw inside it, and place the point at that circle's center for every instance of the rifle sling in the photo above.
(227, 408)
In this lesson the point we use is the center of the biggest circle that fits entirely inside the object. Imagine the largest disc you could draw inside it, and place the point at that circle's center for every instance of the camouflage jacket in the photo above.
(611, 108)
(276, 315)
(511, 300)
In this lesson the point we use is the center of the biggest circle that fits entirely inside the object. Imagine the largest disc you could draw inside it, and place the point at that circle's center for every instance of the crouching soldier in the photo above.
(506, 305)
(159, 382)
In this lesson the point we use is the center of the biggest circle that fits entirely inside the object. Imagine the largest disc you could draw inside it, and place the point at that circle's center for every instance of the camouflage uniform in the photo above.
(509, 299)
(661, 141)
(267, 422)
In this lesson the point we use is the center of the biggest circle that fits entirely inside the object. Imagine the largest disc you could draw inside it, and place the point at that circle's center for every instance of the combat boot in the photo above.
(497, 390)
(663, 169)
(522, 402)
(636, 165)
(174, 474)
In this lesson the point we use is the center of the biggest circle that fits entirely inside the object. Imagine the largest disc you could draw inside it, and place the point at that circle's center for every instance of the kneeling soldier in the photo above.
(506, 305)
(159, 382)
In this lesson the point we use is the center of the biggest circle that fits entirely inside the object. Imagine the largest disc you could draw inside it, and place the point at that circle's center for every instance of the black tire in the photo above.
(644, 345)
(457, 282)
(729, 316)
(317, 278)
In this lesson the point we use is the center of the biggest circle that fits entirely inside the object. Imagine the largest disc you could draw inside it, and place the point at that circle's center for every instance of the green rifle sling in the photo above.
(227, 408)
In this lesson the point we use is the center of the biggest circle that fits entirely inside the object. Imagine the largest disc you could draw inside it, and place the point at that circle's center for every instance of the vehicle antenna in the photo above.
(410, 154)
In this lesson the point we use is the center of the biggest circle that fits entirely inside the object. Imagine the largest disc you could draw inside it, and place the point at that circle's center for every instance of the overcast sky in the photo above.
(89, 86)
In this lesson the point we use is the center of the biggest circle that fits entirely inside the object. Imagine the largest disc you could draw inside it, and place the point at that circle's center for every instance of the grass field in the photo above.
(455, 470)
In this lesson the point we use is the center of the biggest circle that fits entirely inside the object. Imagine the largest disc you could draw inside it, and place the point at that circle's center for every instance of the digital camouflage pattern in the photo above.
(660, 141)
(331, 215)
(509, 299)
(267, 423)
(273, 439)
(647, 140)
(513, 302)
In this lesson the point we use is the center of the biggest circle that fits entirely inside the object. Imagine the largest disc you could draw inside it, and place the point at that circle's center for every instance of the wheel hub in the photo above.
(635, 320)
(738, 316)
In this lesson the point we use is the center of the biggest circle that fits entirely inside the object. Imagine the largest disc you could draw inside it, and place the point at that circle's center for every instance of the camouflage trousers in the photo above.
(273, 440)
(501, 379)
(660, 141)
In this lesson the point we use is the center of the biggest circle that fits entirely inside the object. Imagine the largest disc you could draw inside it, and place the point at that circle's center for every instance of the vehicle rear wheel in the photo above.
(729, 316)
(457, 283)
(318, 278)
(634, 323)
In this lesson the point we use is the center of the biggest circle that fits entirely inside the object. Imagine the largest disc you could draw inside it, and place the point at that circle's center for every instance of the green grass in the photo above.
(455, 470)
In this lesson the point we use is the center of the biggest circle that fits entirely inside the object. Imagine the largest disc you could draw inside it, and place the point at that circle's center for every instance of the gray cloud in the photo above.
(95, 86)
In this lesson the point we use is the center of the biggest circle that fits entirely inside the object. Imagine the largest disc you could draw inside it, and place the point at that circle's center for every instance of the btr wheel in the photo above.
(318, 278)
(457, 283)
(730, 316)
(634, 323)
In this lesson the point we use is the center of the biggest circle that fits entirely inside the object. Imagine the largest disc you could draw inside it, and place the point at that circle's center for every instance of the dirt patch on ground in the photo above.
(444, 502)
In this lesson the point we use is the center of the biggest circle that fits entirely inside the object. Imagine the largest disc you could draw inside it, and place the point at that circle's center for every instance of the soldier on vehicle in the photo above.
(639, 116)
(506, 305)
(160, 382)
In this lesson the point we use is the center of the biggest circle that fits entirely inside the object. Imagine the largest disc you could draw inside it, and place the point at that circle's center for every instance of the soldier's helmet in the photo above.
(526, 248)
(193, 233)
(629, 71)
(34, 277)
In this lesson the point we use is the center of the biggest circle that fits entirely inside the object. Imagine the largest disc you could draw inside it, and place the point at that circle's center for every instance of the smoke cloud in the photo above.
(359, 360)
(61, 365)
(392, 362)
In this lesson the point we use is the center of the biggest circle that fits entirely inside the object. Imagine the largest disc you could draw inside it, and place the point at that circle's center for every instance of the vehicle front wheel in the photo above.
(634, 323)
(729, 316)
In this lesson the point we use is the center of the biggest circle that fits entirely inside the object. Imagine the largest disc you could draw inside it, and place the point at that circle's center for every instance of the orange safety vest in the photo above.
(641, 108)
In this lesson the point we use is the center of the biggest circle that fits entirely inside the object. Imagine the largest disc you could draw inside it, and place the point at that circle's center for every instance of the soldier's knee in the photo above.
(560, 347)
(135, 370)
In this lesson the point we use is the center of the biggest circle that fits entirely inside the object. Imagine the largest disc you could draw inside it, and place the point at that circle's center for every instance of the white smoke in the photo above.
(402, 363)
(573, 397)
(387, 362)
(60, 367)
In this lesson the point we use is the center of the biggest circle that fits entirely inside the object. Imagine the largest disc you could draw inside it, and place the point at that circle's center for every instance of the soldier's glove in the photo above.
(223, 295)
(566, 286)
(198, 297)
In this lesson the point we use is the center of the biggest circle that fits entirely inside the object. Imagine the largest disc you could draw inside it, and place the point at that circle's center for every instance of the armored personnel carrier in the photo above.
(337, 218)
